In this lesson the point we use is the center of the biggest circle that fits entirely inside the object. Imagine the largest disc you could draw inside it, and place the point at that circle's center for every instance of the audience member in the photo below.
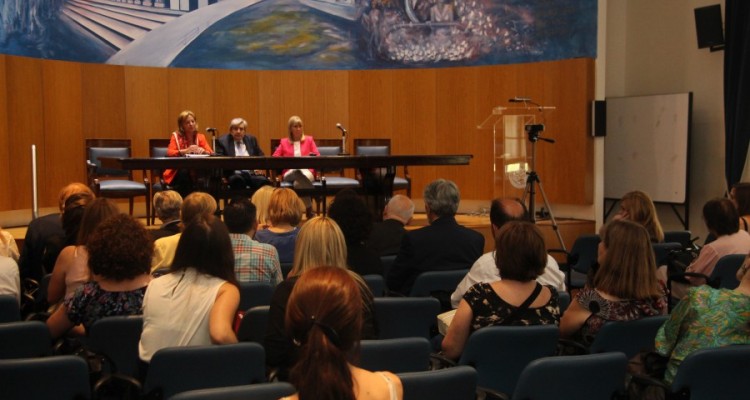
(196, 303)
(320, 243)
(297, 144)
(355, 220)
(442, 245)
(45, 237)
(623, 288)
(238, 143)
(167, 204)
(706, 318)
(637, 206)
(186, 141)
(485, 269)
(196, 206)
(8, 246)
(385, 238)
(325, 319)
(10, 278)
(740, 195)
(72, 267)
(260, 199)
(253, 261)
(285, 214)
(119, 255)
(517, 299)
(722, 221)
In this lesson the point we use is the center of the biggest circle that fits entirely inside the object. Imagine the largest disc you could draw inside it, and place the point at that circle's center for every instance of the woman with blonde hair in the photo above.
(624, 287)
(260, 199)
(320, 243)
(638, 207)
(184, 142)
(297, 144)
(285, 210)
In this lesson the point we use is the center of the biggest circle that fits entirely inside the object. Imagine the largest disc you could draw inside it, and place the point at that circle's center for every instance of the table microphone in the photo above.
(519, 100)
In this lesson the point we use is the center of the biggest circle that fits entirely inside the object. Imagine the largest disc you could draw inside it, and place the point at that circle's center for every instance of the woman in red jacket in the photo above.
(186, 142)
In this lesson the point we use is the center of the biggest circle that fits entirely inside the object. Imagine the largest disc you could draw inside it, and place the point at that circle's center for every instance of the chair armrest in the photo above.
(568, 347)
(439, 361)
(485, 393)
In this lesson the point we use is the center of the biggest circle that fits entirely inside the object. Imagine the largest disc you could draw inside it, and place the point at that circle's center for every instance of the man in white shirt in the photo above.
(484, 269)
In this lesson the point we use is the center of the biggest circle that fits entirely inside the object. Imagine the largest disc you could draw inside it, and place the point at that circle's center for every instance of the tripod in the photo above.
(533, 180)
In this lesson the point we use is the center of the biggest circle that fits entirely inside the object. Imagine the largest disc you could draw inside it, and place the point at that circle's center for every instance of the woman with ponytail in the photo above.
(324, 318)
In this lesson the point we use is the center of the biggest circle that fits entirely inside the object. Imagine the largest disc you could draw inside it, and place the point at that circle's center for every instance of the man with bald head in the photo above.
(484, 269)
(385, 238)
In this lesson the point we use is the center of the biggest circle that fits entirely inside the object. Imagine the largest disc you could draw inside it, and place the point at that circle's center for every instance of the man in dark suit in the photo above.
(385, 238)
(237, 143)
(441, 246)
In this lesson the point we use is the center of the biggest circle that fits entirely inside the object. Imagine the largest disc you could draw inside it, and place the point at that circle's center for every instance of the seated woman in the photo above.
(324, 316)
(260, 199)
(637, 206)
(284, 214)
(298, 145)
(8, 246)
(740, 195)
(184, 142)
(196, 302)
(72, 268)
(320, 243)
(624, 287)
(119, 254)
(517, 299)
(355, 221)
(704, 319)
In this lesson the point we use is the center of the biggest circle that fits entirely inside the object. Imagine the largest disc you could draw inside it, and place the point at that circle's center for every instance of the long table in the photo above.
(377, 171)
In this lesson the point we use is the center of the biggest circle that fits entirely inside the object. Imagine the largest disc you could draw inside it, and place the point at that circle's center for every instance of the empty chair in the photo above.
(179, 369)
(25, 339)
(714, 374)
(458, 383)
(437, 281)
(58, 377)
(724, 274)
(628, 337)
(594, 376)
(580, 259)
(395, 355)
(376, 283)
(253, 294)
(258, 391)
(117, 338)
(253, 325)
(114, 183)
(663, 250)
(10, 311)
(399, 317)
(382, 147)
(681, 237)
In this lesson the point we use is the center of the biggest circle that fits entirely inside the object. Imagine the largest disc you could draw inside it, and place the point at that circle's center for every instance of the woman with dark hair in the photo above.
(119, 254)
(324, 318)
(516, 299)
(624, 287)
(355, 221)
(740, 195)
(196, 302)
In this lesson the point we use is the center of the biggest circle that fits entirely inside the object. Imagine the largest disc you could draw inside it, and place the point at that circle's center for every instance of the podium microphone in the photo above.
(213, 138)
(519, 100)
(343, 138)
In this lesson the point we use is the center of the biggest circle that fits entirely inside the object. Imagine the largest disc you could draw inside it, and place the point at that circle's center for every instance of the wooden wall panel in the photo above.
(237, 96)
(326, 102)
(146, 106)
(281, 95)
(191, 89)
(5, 150)
(370, 105)
(103, 101)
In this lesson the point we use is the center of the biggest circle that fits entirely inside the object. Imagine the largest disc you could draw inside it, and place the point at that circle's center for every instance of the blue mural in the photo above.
(299, 34)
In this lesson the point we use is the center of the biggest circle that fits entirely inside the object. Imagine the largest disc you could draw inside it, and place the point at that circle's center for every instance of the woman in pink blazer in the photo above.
(298, 145)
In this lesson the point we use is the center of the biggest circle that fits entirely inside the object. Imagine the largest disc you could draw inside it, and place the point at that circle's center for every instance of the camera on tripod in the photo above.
(533, 130)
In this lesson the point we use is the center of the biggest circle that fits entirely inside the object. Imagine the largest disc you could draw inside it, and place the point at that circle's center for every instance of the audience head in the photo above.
(261, 198)
(740, 195)
(72, 214)
(184, 117)
(95, 213)
(319, 242)
(721, 217)
(206, 247)
(285, 207)
(239, 215)
(520, 254)
(71, 189)
(120, 248)
(352, 216)
(504, 210)
(197, 205)
(238, 127)
(626, 262)
(637, 206)
(441, 198)
(167, 204)
(324, 318)
(400, 208)
(294, 122)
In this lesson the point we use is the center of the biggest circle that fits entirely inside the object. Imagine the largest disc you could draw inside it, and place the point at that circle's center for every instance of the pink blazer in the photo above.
(286, 149)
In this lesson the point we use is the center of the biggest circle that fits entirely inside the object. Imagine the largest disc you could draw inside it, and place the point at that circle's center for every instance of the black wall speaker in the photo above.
(709, 27)
(599, 118)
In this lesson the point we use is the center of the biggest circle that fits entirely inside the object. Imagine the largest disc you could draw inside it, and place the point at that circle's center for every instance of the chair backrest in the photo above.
(117, 337)
(592, 376)
(584, 252)
(629, 337)
(25, 339)
(399, 317)
(97, 148)
(715, 374)
(10, 311)
(274, 144)
(158, 147)
(563, 301)
(500, 353)
(387, 261)
(725, 271)
(58, 377)
(376, 283)
(662, 250)
(179, 369)
(395, 355)
(254, 294)
(253, 324)
(328, 147)
(681, 237)
(458, 383)
(436, 281)
(372, 147)
(258, 391)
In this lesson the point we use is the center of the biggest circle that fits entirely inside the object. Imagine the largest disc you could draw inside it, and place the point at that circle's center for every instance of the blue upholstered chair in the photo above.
(382, 147)
(117, 337)
(253, 294)
(253, 324)
(395, 355)
(58, 377)
(10, 311)
(257, 391)
(399, 317)
(458, 383)
(25, 339)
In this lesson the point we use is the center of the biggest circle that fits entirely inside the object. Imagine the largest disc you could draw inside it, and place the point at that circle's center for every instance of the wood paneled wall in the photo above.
(56, 104)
